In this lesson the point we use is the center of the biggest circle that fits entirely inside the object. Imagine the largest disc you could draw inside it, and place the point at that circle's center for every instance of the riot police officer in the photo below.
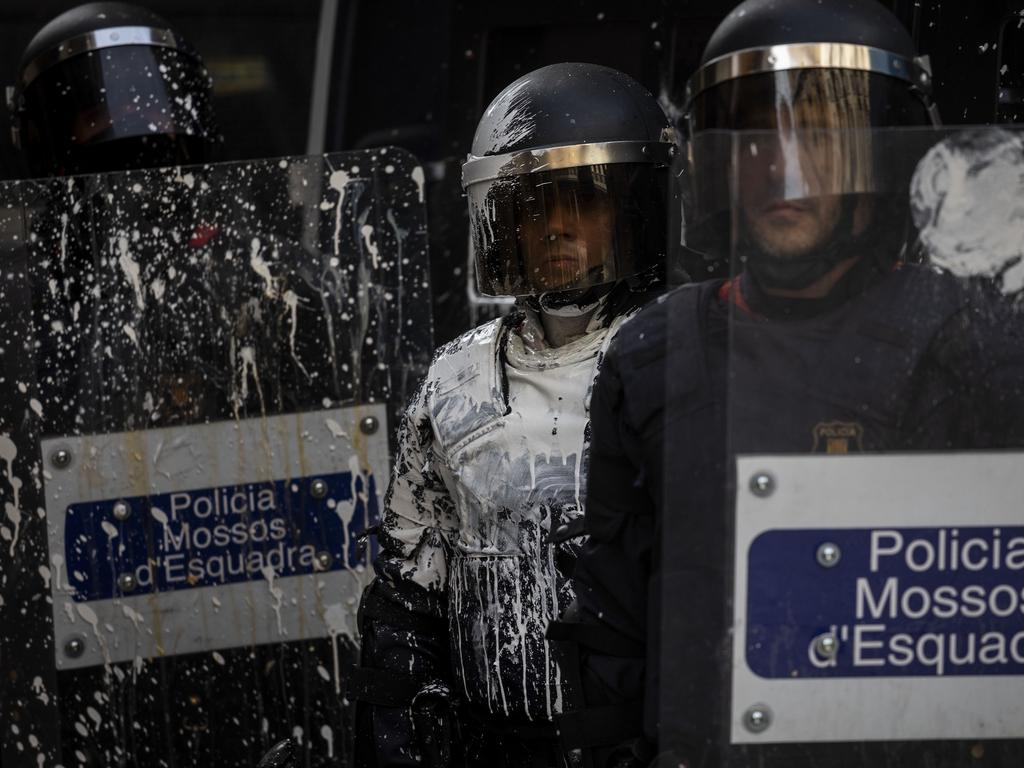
(568, 194)
(112, 90)
(824, 339)
(111, 87)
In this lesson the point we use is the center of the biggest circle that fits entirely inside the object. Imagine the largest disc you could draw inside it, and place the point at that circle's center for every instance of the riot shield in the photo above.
(842, 561)
(200, 371)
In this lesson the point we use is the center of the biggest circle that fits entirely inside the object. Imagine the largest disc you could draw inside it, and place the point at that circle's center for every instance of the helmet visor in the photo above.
(794, 136)
(115, 94)
(567, 229)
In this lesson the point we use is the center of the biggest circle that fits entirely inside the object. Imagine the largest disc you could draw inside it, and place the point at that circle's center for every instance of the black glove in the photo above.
(435, 724)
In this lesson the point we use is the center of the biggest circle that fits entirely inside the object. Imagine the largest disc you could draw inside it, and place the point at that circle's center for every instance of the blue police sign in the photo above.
(886, 602)
(214, 536)
(877, 597)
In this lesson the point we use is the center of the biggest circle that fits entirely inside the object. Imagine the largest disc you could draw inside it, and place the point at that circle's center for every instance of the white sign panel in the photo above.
(199, 538)
(879, 598)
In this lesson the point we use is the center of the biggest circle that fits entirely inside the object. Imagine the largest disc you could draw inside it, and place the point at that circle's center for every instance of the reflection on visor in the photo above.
(133, 92)
(567, 229)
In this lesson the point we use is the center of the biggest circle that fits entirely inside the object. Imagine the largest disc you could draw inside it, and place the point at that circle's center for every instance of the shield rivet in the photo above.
(762, 484)
(126, 582)
(324, 560)
(826, 645)
(61, 458)
(828, 554)
(369, 425)
(318, 488)
(74, 647)
(757, 718)
(121, 510)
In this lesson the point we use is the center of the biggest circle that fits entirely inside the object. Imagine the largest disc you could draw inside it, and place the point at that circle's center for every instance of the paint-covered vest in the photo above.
(510, 442)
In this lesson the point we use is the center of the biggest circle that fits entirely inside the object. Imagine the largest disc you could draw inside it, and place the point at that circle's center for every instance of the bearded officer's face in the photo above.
(810, 147)
(786, 199)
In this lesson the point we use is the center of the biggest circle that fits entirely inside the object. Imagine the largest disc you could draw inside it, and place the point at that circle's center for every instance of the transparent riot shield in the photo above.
(200, 368)
(842, 560)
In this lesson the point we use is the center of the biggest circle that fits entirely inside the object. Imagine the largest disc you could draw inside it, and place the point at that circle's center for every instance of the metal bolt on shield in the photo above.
(369, 425)
(324, 560)
(318, 488)
(826, 645)
(828, 554)
(126, 582)
(74, 647)
(122, 511)
(762, 484)
(757, 718)
(61, 458)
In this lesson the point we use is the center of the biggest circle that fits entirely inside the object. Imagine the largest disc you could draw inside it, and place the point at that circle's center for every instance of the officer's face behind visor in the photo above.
(805, 153)
(567, 229)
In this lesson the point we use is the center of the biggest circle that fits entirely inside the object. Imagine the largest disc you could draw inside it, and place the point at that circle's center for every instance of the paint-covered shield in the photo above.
(200, 368)
(843, 559)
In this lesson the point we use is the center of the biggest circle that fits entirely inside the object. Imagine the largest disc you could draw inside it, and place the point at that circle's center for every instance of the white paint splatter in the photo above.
(90, 618)
(967, 197)
(261, 268)
(275, 592)
(337, 618)
(328, 736)
(291, 299)
(338, 180)
(130, 333)
(40, 690)
(417, 176)
(8, 452)
(130, 267)
(133, 616)
(335, 429)
(158, 287)
(367, 233)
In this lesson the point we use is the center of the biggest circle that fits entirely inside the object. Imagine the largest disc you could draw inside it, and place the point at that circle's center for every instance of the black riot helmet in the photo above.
(109, 87)
(812, 85)
(568, 182)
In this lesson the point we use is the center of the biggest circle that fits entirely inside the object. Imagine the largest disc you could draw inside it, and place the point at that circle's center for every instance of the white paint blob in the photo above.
(967, 197)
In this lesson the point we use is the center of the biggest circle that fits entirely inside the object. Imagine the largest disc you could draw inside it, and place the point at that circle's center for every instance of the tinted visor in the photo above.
(113, 95)
(795, 135)
(805, 99)
(567, 229)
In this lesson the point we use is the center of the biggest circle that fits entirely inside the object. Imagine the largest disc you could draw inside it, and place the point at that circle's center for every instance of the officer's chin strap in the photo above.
(570, 303)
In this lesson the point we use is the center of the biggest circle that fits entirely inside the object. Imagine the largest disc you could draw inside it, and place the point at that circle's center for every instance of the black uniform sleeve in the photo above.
(403, 681)
(614, 573)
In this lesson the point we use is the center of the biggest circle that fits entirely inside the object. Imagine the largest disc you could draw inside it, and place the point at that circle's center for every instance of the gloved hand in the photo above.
(435, 724)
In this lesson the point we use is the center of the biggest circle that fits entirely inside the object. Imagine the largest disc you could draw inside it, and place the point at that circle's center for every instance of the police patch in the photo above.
(838, 437)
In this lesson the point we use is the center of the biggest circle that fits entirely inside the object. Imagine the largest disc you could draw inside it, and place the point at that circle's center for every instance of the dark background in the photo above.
(418, 74)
